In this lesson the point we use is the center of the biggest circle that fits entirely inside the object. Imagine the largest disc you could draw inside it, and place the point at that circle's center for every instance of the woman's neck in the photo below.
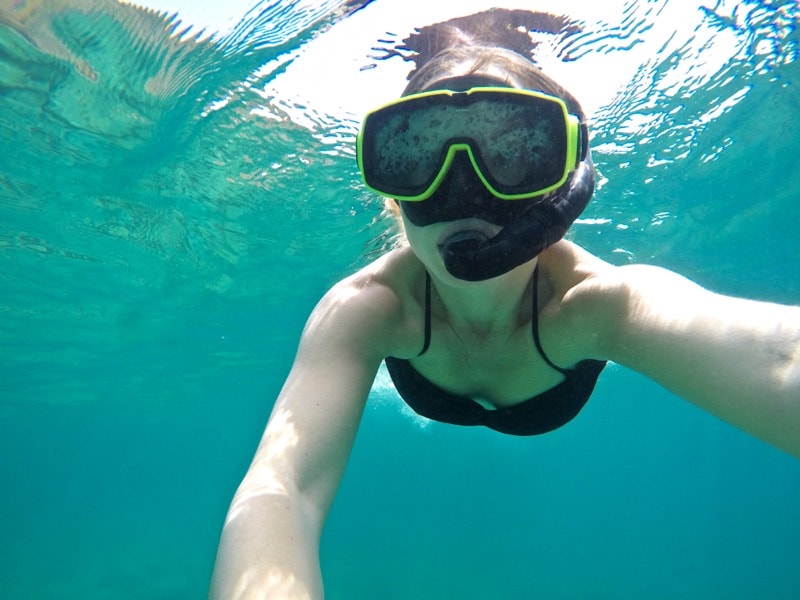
(490, 306)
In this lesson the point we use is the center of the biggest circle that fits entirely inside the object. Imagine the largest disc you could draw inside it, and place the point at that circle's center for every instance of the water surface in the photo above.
(173, 205)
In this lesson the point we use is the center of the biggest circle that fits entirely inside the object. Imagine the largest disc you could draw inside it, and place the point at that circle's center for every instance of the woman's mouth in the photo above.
(469, 234)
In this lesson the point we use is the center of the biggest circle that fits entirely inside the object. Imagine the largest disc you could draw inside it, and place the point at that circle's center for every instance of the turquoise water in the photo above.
(171, 208)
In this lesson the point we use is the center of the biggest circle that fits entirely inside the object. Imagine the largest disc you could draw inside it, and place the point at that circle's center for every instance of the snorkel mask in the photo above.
(511, 157)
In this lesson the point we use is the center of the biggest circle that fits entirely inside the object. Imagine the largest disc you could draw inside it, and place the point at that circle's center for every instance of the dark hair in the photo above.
(495, 44)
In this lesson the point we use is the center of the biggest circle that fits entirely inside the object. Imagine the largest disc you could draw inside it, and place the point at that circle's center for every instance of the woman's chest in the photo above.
(496, 371)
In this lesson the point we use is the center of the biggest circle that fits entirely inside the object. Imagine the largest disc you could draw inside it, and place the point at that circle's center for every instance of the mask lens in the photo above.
(517, 140)
(521, 148)
(408, 151)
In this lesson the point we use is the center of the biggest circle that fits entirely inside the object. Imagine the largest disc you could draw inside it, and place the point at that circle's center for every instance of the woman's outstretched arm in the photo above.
(738, 359)
(270, 540)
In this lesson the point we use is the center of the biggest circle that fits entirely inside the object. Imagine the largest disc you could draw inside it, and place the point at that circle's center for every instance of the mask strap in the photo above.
(542, 225)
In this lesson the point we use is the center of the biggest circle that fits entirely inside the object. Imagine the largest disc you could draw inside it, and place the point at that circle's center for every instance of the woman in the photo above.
(486, 316)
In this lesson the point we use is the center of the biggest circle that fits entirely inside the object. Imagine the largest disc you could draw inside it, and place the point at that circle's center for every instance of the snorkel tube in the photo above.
(478, 258)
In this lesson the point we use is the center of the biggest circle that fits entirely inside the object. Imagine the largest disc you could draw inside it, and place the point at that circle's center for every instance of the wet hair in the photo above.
(494, 44)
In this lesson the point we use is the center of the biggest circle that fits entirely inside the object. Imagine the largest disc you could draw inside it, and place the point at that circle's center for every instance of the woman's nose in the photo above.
(463, 182)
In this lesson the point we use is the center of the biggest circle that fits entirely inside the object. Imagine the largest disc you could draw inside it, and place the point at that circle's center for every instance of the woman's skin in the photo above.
(735, 358)
(690, 340)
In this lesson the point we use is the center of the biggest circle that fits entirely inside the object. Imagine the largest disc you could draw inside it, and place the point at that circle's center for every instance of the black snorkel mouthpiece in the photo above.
(477, 258)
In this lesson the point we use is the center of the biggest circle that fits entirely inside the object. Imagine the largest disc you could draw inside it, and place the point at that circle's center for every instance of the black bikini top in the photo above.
(540, 414)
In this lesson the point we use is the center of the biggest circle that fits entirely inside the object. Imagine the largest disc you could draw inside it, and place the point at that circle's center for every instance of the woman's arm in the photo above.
(270, 540)
(738, 359)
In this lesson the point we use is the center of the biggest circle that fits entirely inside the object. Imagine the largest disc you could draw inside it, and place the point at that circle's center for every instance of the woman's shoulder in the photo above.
(572, 275)
(575, 312)
(567, 264)
(388, 281)
(381, 301)
(598, 299)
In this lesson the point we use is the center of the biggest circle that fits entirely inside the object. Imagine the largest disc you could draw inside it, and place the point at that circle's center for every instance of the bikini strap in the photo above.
(427, 341)
(535, 323)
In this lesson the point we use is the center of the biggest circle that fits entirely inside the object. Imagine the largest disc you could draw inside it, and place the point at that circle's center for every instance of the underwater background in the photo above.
(173, 202)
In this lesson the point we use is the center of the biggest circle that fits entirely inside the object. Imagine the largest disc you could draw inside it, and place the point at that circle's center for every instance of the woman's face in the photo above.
(462, 208)
(462, 225)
